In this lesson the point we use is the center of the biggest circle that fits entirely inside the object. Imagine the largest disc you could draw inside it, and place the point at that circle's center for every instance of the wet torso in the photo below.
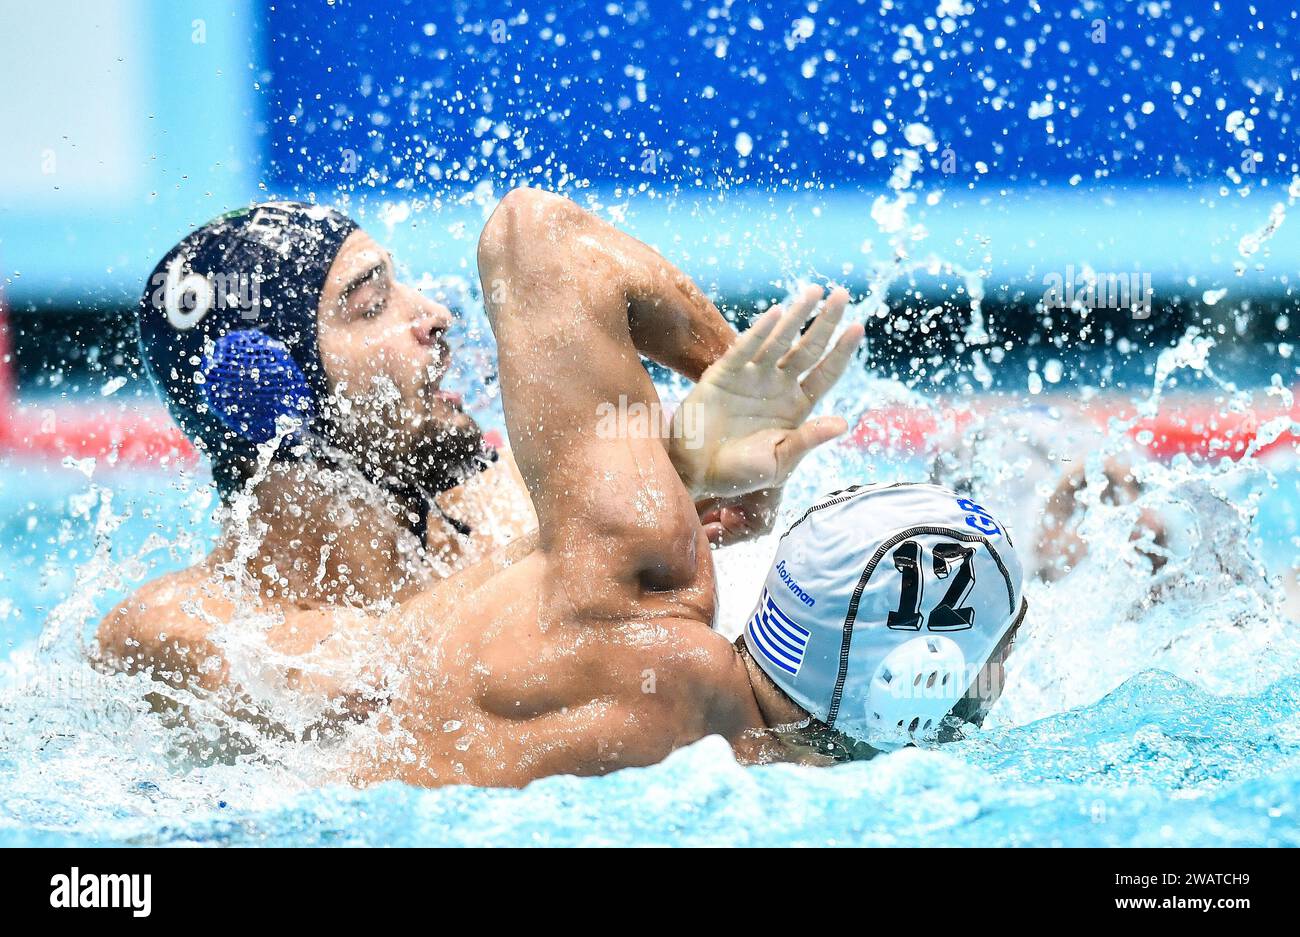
(466, 680)
(500, 688)
(214, 626)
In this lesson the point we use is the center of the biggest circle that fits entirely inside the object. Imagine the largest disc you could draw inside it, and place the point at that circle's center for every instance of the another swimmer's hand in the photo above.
(749, 409)
(734, 520)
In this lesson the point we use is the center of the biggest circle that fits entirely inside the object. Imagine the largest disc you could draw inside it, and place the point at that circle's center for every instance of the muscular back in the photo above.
(498, 675)
(511, 685)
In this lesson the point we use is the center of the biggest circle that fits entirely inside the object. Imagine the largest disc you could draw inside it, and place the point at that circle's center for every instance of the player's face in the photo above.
(385, 353)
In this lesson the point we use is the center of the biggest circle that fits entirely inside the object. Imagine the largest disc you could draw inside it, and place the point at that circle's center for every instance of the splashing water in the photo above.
(1152, 667)
(1151, 696)
(1127, 685)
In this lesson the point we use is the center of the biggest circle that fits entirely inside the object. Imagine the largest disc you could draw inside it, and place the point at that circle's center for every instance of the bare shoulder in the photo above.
(164, 622)
(151, 608)
(714, 676)
(494, 503)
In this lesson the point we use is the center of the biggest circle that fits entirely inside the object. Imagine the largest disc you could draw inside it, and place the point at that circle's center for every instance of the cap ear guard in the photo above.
(259, 270)
(251, 381)
(913, 689)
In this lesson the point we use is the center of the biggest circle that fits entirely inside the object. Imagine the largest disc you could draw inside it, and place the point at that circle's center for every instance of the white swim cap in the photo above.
(881, 607)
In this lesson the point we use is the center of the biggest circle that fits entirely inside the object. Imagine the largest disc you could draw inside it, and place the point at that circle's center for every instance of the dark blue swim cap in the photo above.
(228, 326)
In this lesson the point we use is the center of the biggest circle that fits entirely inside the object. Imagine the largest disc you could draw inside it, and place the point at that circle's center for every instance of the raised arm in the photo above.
(620, 549)
(561, 288)
(564, 290)
(669, 318)
(672, 321)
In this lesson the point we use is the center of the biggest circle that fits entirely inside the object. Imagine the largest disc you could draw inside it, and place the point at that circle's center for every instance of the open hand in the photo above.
(752, 403)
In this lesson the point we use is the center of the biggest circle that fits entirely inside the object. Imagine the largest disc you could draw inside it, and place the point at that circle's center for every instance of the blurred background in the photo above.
(1067, 224)
(920, 151)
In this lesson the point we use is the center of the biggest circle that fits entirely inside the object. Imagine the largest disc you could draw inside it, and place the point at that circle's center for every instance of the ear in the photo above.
(251, 380)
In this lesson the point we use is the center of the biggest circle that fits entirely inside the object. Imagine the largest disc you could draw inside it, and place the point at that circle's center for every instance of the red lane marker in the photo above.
(904, 430)
(1191, 427)
(146, 438)
(143, 438)
(1204, 429)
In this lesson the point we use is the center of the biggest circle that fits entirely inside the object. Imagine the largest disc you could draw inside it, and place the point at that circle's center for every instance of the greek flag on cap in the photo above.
(882, 605)
(778, 637)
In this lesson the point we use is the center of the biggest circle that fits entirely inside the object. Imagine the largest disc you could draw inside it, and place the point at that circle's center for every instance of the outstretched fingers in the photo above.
(787, 330)
(831, 368)
(808, 349)
(746, 346)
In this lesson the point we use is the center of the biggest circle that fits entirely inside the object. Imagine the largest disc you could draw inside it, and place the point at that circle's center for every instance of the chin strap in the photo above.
(428, 500)
(459, 526)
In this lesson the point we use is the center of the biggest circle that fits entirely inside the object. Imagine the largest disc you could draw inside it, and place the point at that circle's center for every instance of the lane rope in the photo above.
(135, 435)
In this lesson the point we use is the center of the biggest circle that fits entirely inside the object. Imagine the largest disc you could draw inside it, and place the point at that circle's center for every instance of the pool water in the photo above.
(940, 155)
(1142, 707)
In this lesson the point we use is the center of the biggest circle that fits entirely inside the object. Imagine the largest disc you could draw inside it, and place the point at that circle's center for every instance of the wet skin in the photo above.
(581, 647)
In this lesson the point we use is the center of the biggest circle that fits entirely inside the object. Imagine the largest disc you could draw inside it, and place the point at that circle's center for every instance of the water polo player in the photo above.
(888, 610)
(286, 321)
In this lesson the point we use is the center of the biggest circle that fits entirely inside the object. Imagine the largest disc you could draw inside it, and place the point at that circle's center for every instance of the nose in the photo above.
(430, 321)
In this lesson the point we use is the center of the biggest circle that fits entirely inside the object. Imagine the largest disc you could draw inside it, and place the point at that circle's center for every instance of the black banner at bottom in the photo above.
(336, 887)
